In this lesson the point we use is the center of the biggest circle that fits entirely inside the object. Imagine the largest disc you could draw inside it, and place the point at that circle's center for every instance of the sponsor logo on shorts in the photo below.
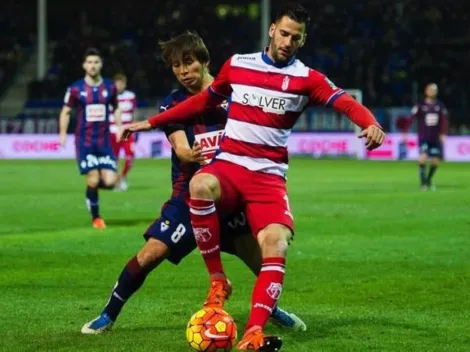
(202, 234)
(274, 290)
(92, 161)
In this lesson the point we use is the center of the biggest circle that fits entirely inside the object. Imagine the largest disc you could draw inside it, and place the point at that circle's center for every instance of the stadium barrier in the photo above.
(155, 145)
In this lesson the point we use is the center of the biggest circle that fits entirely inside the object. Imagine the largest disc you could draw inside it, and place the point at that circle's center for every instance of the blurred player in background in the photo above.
(170, 236)
(127, 105)
(93, 96)
(268, 91)
(431, 115)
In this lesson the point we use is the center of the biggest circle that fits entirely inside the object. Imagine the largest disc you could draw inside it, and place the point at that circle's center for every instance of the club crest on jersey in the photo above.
(285, 83)
(274, 290)
(105, 93)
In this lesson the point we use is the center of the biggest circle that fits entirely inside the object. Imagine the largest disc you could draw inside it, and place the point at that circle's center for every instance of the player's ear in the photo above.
(272, 28)
(304, 39)
(83, 66)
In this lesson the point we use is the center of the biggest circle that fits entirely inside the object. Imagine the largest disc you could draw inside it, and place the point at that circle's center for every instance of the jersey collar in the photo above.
(269, 61)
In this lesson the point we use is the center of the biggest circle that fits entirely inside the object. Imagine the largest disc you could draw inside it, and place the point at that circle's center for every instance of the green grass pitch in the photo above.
(376, 264)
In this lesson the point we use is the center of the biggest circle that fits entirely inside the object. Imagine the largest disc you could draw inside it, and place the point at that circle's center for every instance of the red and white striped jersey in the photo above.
(266, 99)
(128, 105)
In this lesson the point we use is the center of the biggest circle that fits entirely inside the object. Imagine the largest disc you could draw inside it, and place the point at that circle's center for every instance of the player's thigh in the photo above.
(173, 229)
(218, 180)
(423, 152)
(266, 202)
(152, 253)
(108, 176)
(435, 152)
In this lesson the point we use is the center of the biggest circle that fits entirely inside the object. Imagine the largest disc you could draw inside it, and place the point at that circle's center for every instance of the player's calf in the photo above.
(131, 279)
(273, 240)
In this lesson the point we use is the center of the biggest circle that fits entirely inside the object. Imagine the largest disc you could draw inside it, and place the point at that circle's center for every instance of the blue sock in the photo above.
(130, 280)
(92, 202)
(432, 171)
(422, 174)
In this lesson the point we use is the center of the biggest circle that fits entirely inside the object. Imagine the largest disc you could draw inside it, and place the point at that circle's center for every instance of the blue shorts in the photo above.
(173, 228)
(94, 157)
(432, 149)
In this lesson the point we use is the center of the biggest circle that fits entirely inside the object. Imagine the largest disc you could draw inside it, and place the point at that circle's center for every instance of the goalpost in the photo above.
(359, 146)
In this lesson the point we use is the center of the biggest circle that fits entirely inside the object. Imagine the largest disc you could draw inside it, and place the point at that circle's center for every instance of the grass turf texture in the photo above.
(376, 264)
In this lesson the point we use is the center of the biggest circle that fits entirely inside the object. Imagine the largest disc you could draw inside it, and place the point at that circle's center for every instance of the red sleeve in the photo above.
(186, 110)
(356, 112)
(71, 97)
(221, 84)
(322, 90)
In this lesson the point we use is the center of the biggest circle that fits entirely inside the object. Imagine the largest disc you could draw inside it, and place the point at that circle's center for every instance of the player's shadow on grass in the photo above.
(129, 222)
(321, 327)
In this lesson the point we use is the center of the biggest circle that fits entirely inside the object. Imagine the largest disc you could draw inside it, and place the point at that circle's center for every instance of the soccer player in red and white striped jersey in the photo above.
(127, 104)
(267, 92)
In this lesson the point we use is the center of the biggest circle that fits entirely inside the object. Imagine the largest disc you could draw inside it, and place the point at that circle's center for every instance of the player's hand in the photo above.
(62, 139)
(135, 127)
(196, 154)
(374, 135)
(442, 138)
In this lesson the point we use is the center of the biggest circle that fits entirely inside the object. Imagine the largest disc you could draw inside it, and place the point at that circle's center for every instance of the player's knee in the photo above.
(153, 253)
(204, 186)
(92, 181)
(274, 240)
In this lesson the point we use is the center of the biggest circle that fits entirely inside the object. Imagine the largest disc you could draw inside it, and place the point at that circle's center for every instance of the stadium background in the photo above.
(387, 49)
(376, 264)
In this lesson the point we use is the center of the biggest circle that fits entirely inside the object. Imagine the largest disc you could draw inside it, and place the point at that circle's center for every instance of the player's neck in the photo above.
(430, 100)
(93, 81)
(206, 82)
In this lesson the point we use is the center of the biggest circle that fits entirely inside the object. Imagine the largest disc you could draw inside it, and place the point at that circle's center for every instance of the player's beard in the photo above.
(280, 59)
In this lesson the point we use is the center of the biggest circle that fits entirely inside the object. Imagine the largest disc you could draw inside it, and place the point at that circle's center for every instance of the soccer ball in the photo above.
(211, 330)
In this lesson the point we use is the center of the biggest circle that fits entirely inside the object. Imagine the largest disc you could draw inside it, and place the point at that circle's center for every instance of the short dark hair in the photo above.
(295, 12)
(120, 77)
(187, 44)
(91, 52)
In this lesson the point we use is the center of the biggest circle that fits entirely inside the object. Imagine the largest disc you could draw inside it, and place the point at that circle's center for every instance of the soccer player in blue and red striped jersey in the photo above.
(92, 96)
(431, 115)
(170, 237)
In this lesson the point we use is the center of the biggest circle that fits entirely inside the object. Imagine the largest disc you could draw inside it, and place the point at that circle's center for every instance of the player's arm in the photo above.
(70, 100)
(116, 111)
(444, 124)
(180, 144)
(190, 108)
(64, 120)
(323, 91)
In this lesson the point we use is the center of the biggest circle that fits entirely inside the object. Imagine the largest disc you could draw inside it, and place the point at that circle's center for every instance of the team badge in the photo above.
(274, 290)
(285, 83)
(105, 93)
(202, 234)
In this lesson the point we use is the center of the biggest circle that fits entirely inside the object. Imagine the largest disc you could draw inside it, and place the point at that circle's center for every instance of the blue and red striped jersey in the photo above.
(93, 110)
(206, 129)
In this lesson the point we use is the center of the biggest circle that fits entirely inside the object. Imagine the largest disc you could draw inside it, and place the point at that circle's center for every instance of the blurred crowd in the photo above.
(389, 49)
(16, 39)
